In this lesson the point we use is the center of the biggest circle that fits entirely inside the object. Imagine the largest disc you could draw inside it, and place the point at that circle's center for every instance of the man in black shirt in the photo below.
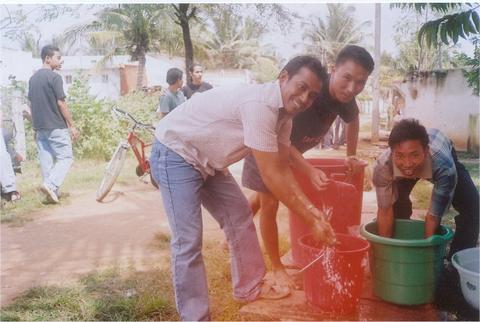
(195, 83)
(347, 79)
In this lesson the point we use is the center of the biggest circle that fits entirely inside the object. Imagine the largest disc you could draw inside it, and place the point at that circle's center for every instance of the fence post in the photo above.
(472, 143)
(17, 117)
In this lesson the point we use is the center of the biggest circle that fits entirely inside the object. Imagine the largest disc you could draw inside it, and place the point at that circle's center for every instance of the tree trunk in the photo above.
(376, 77)
(141, 70)
(187, 39)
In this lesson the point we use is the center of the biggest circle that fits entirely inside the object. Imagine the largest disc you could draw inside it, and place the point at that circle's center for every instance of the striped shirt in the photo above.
(216, 128)
(439, 168)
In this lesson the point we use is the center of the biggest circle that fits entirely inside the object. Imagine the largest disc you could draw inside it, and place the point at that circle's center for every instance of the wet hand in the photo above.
(319, 179)
(322, 231)
(353, 164)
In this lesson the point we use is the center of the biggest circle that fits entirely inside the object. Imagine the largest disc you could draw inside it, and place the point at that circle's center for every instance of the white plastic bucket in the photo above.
(467, 264)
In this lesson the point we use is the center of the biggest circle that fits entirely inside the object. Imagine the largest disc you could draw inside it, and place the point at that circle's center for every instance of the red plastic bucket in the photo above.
(334, 283)
(339, 196)
(344, 196)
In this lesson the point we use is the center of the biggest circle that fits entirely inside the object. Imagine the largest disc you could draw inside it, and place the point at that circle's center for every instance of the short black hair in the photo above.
(173, 75)
(358, 55)
(310, 62)
(192, 66)
(406, 130)
(48, 51)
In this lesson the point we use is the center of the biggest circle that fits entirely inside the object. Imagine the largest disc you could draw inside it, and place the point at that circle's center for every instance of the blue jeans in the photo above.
(55, 156)
(183, 191)
(7, 177)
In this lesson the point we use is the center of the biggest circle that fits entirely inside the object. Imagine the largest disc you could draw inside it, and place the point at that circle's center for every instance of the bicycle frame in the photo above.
(134, 141)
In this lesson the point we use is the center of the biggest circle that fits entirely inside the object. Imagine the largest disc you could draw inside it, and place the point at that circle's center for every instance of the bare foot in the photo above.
(281, 278)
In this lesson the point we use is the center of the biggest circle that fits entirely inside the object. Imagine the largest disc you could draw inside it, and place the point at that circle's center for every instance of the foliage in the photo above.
(414, 55)
(265, 70)
(125, 28)
(111, 295)
(231, 40)
(18, 20)
(326, 38)
(99, 131)
(472, 72)
(465, 21)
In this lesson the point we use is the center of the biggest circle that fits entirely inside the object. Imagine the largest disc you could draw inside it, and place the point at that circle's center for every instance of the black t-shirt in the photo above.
(45, 88)
(310, 126)
(190, 89)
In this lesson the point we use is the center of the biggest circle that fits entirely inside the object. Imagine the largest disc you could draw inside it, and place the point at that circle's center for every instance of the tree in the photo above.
(183, 13)
(131, 28)
(261, 14)
(231, 40)
(326, 38)
(457, 20)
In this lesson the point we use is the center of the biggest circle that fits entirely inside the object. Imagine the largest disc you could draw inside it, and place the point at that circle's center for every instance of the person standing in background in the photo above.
(195, 83)
(173, 95)
(52, 123)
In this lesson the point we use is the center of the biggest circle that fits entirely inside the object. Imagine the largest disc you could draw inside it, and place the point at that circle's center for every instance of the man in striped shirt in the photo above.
(196, 142)
(417, 153)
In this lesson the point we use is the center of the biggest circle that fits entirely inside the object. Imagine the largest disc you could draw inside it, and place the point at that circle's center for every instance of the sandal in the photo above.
(15, 196)
(271, 291)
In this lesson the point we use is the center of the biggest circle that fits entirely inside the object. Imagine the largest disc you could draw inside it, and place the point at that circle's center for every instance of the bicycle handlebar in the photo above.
(125, 114)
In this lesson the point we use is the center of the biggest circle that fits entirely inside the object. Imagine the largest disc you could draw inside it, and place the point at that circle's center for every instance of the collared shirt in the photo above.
(216, 128)
(438, 168)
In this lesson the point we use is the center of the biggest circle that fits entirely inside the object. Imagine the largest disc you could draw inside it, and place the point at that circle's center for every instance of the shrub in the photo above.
(100, 131)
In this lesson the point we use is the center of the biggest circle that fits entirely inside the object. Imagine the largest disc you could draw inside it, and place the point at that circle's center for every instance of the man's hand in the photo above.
(354, 165)
(321, 229)
(319, 179)
(74, 133)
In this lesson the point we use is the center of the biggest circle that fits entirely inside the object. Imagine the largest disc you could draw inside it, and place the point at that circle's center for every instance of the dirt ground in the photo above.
(62, 243)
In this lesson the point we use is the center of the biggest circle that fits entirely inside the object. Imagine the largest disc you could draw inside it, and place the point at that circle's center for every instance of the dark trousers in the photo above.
(465, 202)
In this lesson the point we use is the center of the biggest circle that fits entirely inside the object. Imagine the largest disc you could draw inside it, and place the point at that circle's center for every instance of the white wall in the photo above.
(443, 102)
(21, 64)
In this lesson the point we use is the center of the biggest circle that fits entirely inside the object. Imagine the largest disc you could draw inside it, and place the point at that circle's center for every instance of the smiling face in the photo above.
(300, 90)
(409, 156)
(55, 61)
(347, 80)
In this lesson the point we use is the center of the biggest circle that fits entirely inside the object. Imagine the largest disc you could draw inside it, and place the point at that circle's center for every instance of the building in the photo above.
(442, 100)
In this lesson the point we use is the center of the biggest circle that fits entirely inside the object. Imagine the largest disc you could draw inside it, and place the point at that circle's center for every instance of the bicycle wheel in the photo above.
(112, 171)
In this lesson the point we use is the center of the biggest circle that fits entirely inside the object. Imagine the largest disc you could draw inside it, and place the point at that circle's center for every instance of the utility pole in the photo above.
(376, 77)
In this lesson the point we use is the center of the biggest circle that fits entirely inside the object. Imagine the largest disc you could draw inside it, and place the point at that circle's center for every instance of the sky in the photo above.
(284, 43)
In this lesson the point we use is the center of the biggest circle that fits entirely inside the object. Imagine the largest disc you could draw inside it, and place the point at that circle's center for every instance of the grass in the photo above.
(111, 295)
(115, 294)
(84, 175)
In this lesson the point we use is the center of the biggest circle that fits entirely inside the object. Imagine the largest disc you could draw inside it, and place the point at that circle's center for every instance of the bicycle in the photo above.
(138, 147)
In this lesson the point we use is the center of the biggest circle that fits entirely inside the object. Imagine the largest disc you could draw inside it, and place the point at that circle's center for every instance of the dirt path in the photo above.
(65, 242)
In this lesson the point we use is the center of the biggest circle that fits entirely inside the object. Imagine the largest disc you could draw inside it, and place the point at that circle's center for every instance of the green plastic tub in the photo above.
(406, 268)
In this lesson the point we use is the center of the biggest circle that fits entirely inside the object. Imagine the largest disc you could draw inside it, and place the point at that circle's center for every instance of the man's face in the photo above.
(55, 61)
(197, 74)
(299, 91)
(347, 80)
(409, 156)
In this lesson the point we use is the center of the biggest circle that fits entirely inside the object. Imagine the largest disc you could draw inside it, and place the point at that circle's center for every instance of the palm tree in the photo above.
(326, 38)
(126, 28)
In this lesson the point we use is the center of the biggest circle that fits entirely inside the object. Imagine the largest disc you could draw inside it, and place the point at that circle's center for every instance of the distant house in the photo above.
(113, 78)
(443, 100)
